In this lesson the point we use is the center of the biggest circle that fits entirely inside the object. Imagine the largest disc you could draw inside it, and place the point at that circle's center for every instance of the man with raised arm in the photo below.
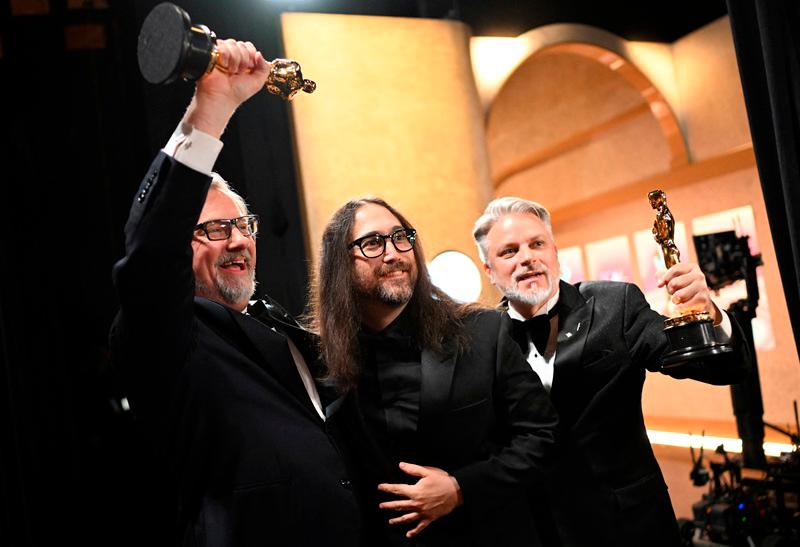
(227, 399)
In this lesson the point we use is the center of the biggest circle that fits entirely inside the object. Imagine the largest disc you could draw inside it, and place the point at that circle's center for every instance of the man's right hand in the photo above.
(219, 93)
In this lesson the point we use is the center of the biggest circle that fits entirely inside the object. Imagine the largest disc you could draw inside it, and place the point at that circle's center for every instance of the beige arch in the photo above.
(618, 55)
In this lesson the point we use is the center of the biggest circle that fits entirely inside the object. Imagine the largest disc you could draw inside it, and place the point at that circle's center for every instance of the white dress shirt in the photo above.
(543, 365)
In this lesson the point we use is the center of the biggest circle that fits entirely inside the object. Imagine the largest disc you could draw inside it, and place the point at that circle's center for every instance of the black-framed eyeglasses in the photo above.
(374, 245)
(217, 230)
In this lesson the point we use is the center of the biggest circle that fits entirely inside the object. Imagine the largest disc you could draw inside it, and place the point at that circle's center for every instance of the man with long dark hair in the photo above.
(446, 422)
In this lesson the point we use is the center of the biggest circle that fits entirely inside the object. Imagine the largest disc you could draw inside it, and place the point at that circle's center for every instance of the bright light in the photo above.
(455, 273)
(684, 440)
(493, 60)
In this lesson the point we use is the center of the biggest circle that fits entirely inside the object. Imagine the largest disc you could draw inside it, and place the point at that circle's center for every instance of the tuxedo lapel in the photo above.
(437, 375)
(271, 347)
(574, 321)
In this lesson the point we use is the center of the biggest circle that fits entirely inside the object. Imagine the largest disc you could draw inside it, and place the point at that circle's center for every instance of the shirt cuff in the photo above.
(193, 148)
(722, 332)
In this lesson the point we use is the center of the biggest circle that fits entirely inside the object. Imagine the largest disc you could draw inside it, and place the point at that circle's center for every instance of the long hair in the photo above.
(335, 315)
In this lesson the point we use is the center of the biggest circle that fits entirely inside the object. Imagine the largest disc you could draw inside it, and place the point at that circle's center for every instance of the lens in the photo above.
(247, 225)
(372, 246)
(400, 239)
(403, 240)
(218, 230)
(252, 225)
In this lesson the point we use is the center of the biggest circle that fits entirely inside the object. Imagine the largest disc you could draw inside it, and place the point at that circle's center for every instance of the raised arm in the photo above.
(155, 281)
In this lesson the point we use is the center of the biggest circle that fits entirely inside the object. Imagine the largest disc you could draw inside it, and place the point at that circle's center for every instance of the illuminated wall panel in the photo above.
(396, 115)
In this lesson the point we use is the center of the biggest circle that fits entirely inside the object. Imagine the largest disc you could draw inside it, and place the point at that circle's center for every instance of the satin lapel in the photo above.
(437, 376)
(574, 321)
(275, 356)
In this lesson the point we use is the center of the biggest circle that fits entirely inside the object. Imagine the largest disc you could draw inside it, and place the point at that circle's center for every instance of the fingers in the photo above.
(262, 65)
(239, 57)
(397, 489)
(682, 275)
(687, 285)
(692, 298)
(419, 528)
(680, 269)
(399, 505)
(415, 470)
(408, 517)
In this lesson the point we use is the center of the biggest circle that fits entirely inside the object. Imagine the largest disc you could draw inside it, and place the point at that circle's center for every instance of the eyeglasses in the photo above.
(374, 245)
(217, 230)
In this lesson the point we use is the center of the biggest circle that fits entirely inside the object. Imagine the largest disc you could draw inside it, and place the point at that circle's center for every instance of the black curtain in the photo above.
(766, 34)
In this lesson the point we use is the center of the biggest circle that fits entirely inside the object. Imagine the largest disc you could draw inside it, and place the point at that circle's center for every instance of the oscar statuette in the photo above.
(691, 333)
(170, 47)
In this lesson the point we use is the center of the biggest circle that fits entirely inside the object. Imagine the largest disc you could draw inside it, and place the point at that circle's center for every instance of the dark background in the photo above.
(79, 127)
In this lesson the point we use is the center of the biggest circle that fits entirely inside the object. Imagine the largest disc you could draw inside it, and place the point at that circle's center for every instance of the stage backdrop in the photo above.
(396, 115)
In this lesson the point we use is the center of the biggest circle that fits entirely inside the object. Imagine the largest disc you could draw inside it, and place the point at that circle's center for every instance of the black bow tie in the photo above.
(536, 329)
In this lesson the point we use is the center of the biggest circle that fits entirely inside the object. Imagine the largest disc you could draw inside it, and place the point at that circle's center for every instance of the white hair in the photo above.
(497, 209)
(221, 185)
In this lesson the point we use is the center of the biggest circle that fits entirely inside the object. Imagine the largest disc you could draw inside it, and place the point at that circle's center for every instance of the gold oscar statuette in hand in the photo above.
(691, 333)
(171, 47)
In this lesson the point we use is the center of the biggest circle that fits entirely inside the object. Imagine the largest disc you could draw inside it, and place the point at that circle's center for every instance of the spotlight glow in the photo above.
(683, 440)
(455, 273)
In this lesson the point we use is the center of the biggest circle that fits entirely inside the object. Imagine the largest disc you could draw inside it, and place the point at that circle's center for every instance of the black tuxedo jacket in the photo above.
(243, 455)
(486, 419)
(607, 488)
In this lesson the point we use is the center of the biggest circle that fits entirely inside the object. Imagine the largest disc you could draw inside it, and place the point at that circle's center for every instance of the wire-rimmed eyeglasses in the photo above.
(374, 245)
(219, 229)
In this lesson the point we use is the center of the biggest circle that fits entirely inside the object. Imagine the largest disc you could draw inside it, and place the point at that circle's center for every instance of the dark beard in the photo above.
(396, 296)
(390, 293)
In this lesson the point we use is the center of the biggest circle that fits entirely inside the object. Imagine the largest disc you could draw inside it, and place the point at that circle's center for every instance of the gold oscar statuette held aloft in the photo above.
(170, 47)
(690, 334)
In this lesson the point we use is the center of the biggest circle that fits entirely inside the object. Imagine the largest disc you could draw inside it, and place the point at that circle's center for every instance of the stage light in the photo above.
(668, 438)
(493, 60)
(456, 274)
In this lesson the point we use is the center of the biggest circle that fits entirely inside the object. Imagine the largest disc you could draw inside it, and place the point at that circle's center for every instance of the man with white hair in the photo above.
(244, 456)
(591, 343)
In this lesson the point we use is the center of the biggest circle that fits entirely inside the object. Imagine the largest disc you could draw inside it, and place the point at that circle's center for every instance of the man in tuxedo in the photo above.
(228, 400)
(444, 419)
(591, 343)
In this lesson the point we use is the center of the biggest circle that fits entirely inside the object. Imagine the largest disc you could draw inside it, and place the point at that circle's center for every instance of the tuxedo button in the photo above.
(345, 483)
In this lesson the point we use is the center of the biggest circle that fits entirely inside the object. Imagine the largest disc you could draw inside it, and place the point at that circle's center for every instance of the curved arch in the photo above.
(613, 52)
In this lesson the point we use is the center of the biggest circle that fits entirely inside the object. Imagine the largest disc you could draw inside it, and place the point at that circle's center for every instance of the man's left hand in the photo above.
(687, 285)
(434, 495)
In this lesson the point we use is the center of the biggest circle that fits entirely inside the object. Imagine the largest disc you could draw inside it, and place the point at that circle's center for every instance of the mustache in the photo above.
(535, 269)
(394, 266)
(230, 257)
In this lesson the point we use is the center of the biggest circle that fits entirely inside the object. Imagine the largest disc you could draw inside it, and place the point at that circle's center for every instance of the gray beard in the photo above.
(533, 296)
(229, 291)
(394, 295)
